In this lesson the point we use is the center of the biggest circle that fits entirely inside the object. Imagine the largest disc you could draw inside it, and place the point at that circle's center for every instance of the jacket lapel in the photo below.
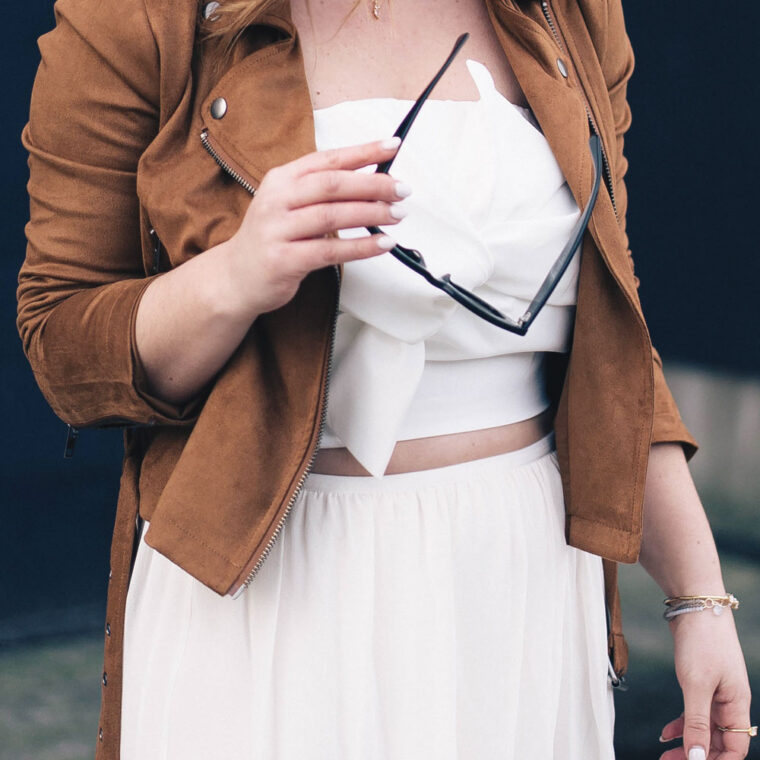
(558, 105)
(268, 118)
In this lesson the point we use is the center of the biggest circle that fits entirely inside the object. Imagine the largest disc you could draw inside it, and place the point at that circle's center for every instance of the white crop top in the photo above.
(489, 205)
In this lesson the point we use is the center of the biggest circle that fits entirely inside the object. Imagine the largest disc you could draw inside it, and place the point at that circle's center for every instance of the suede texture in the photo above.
(121, 97)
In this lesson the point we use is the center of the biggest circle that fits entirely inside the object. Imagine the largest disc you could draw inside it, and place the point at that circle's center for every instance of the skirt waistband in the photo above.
(451, 473)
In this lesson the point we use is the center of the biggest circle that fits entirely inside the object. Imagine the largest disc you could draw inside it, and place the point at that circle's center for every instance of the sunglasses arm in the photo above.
(408, 120)
(560, 265)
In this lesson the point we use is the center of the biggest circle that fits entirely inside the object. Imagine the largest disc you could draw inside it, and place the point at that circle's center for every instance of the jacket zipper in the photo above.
(72, 431)
(617, 681)
(548, 14)
(215, 153)
(156, 250)
(276, 532)
(225, 165)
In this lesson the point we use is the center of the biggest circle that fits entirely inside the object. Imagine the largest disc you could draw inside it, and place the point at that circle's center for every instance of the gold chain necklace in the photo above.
(376, 8)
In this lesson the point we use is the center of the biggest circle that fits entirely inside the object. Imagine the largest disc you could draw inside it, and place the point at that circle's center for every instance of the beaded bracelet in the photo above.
(680, 605)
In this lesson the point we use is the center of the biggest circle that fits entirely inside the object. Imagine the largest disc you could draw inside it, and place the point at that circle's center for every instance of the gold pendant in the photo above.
(376, 8)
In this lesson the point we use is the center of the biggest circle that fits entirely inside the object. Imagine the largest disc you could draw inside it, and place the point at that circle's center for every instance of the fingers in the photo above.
(737, 752)
(672, 730)
(350, 157)
(321, 193)
(697, 703)
(733, 745)
(320, 187)
(729, 707)
(324, 218)
(306, 255)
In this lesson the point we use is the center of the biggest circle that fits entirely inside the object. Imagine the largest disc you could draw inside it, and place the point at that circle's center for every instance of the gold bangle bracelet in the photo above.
(728, 600)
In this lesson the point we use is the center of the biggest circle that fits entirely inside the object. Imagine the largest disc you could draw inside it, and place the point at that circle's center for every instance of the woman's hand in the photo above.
(286, 232)
(713, 677)
(191, 319)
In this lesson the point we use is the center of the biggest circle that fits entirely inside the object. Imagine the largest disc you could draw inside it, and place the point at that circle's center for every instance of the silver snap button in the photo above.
(562, 68)
(208, 9)
(105, 679)
(100, 734)
(108, 629)
(110, 574)
(219, 108)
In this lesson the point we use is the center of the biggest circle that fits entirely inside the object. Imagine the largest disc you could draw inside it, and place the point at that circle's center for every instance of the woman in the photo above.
(414, 570)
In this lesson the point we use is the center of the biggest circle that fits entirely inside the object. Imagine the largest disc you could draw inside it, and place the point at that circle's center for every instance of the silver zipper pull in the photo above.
(72, 433)
(156, 250)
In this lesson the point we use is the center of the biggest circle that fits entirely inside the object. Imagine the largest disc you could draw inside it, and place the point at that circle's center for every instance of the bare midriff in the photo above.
(441, 450)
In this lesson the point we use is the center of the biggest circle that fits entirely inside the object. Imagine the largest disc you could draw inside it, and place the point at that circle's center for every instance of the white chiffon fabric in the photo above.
(490, 206)
(434, 615)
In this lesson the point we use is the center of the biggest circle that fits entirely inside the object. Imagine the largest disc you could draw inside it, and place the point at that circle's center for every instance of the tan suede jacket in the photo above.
(131, 174)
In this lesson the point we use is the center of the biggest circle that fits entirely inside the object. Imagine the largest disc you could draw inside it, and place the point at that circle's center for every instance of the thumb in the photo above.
(696, 721)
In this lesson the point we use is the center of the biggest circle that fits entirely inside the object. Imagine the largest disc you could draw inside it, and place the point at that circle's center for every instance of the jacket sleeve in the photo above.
(617, 60)
(94, 109)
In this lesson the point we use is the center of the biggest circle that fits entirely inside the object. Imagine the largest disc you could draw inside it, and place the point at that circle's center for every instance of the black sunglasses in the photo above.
(414, 260)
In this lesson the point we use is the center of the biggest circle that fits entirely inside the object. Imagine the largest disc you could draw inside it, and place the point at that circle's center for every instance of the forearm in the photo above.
(677, 549)
(679, 552)
(188, 325)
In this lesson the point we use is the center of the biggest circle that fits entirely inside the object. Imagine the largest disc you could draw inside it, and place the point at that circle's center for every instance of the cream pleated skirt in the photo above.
(434, 615)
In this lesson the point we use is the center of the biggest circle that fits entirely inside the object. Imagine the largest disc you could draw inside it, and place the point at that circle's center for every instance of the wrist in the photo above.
(702, 624)
(228, 294)
(685, 568)
(706, 605)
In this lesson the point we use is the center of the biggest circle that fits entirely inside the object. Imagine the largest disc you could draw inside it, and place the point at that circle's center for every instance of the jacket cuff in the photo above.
(92, 374)
(668, 426)
(670, 430)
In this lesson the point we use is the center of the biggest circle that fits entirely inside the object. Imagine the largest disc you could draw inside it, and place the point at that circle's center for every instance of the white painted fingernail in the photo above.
(398, 212)
(697, 753)
(403, 190)
(385, 243)
(391, 143)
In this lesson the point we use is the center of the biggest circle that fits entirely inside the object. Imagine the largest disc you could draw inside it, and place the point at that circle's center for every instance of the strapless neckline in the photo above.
(408, 102)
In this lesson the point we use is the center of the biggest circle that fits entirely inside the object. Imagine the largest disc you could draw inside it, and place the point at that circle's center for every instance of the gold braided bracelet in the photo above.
(679, 605)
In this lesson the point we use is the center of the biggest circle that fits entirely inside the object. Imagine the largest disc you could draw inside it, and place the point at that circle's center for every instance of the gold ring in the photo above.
(752, 730)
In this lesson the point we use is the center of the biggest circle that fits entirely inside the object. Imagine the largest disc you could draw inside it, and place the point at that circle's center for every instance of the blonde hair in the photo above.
(228, 21)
